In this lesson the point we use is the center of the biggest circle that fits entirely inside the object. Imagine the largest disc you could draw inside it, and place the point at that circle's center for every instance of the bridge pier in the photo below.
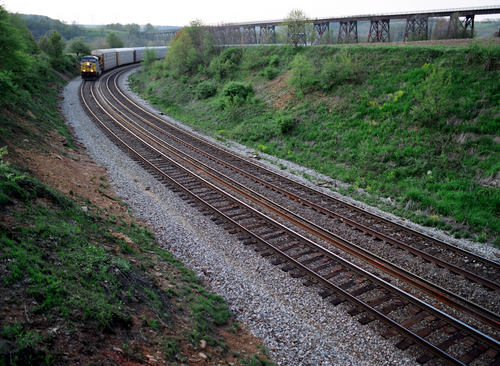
(301, 37)
(466, 24)
(379, 31)
(417, 27)
(235, 36)
(267, 34)
(249, 35)
(167, 35)
(319, 30)
(220, 35)
(346, 29)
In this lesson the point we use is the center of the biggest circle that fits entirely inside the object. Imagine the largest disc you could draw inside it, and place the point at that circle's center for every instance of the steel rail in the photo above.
(486, 282)
(419, 340)
(453, 248)
(437, 292)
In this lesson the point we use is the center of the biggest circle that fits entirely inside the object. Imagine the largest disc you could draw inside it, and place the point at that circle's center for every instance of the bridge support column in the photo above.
(220, 35)
(469, 24)
(346, 29)
(461, 28)
(249, 35)
(300, 36)
(417, 27)
(267, 34)
(234, 36)
(319, 31)
(379, 31)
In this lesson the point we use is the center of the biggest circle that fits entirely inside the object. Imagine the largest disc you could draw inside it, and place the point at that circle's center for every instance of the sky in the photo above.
(181, 12)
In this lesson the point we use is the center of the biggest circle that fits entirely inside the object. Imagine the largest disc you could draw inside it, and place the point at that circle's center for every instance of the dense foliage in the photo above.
(26, 71)
(42, 26)
(418, 124)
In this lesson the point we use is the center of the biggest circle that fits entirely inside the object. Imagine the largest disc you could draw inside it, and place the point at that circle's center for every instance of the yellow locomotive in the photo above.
(91, 67)
(105, 59)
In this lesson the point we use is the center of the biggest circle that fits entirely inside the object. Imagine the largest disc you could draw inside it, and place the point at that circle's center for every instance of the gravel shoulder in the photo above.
(295, 324)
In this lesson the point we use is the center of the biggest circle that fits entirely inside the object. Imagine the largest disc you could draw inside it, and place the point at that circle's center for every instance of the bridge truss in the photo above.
(417, 26)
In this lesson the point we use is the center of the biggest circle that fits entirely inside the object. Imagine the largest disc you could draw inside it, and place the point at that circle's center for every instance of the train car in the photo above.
(125, 56)
(108, 58)
(140, 52)
(90, 67)
(105, 59)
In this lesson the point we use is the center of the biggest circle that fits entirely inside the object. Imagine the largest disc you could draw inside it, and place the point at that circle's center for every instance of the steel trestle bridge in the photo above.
(417, 25)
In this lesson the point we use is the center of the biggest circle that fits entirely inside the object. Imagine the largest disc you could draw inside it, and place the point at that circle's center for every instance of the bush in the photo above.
(8, 89)
(65, 63)
(205, 89)
(339, 70)
(284, 121)
(487, 54)
(270, 72)
(302, 74)
(227, 63)
(274, 60)
(433, 96)
(233, 54)
(237, 91)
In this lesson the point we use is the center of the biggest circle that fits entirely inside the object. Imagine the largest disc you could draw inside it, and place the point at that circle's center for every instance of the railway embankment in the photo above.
(82, 280)
(411, 128)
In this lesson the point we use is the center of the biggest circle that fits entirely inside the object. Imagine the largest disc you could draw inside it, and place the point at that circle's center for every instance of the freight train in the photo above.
(94, 65)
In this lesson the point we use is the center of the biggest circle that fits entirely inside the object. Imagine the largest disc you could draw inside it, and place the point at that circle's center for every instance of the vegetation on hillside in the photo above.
(79, 282)
(420, 125)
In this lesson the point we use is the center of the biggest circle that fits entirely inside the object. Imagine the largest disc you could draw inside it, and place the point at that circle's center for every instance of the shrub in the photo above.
(486, 54)
(227, 63)
(237, 91)
(149, 57)
(233, 54)
(284, 121)
(274, 60)
(433, 97)
(339, 70)
(205, 89)
(8, 89)
(270, 72)
(302, 74)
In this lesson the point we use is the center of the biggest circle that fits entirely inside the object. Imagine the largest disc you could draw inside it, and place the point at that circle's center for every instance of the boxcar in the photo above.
(106, 59)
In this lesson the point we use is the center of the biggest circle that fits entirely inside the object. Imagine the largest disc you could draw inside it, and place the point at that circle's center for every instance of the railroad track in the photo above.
(436, 332)
(330, 214)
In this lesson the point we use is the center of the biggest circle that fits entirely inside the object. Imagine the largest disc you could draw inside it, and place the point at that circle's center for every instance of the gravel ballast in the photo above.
(295, 324)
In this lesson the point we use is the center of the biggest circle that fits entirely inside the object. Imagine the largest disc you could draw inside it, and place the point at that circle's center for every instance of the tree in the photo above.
(18, 22)
(296, 28)
(77, 45)
(114, 41)
(149, 57)
(196, 31)
(302, 74)
(12, 47)
(211, 47)
(132, 28)
(179, 54)
(52, 45)
(150, 28)
(57, 44)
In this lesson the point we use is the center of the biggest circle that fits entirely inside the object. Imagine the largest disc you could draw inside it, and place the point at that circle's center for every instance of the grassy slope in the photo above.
(421, 125)
(90, 286)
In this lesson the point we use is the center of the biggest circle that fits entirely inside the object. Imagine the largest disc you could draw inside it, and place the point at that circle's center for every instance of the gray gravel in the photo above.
(295, 324)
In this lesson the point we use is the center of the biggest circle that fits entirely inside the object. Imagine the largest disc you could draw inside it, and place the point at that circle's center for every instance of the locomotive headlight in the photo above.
(88, 63)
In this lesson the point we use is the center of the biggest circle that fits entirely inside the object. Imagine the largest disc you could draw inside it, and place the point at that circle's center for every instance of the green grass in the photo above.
(55, 252)
(52, 252)
(420, 125)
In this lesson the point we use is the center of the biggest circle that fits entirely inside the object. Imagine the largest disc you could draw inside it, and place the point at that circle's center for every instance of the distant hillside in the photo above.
(40, 25)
